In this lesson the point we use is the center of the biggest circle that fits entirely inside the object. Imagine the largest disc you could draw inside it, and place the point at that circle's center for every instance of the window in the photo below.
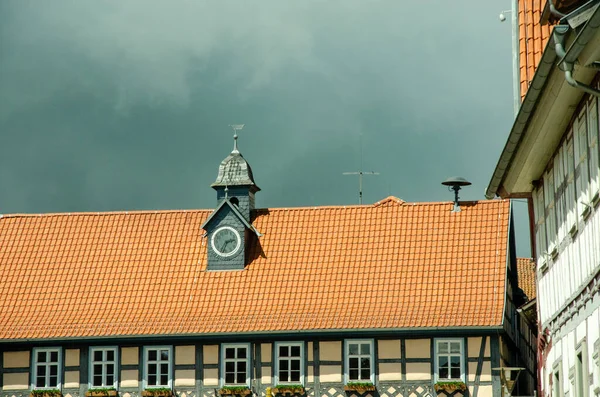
(593, 146)
(359, 361)
(557, 389)
(103, 367)
(290, 367)
(449, 363)
(581, 371)
(235, 361)
(540, 228)
(571, 198)
(157, 366)
(581, 162)
(550, 210)
(46, 368)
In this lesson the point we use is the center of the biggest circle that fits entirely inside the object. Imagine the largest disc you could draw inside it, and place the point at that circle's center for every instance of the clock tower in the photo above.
(229, 228)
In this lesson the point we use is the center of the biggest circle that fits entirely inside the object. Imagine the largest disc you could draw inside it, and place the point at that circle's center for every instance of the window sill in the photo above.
(596, 199)
(553, 252)
(573, 230)
(587, 210)
(543, 266)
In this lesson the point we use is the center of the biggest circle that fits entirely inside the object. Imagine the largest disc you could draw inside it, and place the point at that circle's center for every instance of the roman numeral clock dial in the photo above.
(226, 241)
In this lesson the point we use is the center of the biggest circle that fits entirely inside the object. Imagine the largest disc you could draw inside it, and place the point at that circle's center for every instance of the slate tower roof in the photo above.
(235, 171)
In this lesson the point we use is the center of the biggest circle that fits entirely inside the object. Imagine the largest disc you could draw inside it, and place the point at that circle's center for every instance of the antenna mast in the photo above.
(360, 172)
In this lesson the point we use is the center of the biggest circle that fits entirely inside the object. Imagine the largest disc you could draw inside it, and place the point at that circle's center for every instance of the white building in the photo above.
(552, 159)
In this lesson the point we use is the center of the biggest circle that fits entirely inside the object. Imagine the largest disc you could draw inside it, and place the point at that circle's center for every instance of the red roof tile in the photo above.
(526, 274)
(389, 265)
(532, 40)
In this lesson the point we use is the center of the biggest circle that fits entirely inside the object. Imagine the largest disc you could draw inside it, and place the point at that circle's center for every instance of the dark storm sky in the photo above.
(112, 105)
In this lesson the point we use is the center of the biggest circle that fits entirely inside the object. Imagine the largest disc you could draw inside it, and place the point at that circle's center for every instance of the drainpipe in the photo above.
(559, 34)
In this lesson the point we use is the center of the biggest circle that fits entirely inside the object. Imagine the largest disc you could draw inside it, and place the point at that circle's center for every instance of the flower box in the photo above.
(46, 393)
(234, 391)
(360, 387)
(450, 387)
(101, 393)
(288, 389)
(157, 392)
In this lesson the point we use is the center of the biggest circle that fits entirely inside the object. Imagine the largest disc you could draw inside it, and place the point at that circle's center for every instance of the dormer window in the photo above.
(235, 201)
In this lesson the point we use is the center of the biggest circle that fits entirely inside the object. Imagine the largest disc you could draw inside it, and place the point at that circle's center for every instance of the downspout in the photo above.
(559, 34)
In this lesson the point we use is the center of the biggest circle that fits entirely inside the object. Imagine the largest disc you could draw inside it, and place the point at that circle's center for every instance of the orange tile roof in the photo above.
(526, 274)
(532, 40)
(388, 265)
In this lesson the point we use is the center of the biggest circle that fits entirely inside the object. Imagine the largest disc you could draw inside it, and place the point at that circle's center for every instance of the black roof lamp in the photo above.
(456, 183)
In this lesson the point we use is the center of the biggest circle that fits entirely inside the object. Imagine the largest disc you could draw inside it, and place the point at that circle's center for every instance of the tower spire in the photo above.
(236, 128)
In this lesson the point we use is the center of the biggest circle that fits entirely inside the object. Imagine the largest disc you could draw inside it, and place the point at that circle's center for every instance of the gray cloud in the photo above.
(125, 104)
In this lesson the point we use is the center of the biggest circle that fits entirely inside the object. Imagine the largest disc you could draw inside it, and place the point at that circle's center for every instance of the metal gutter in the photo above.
(569, 57)
(536, 89)
(268, 335)
(522, 120)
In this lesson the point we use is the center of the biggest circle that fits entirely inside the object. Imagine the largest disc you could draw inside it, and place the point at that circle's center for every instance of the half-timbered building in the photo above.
(390, 299)
(552, 160)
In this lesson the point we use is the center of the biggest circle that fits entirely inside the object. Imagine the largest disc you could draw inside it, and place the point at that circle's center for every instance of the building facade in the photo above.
(552, 159)
(392, 299)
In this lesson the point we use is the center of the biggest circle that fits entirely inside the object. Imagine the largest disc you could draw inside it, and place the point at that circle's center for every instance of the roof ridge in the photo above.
(389, 199)
(101, 213)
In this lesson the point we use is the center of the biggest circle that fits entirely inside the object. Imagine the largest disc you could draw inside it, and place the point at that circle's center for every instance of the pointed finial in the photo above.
(236, 128)
(226, 191)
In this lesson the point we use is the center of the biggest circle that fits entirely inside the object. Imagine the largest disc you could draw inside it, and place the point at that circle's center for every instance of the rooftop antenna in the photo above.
(456, 183)
(236, 128)
(360, 172)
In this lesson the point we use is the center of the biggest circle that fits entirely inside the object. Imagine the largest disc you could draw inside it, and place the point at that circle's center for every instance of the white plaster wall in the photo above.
(564, 345)
(571, 269)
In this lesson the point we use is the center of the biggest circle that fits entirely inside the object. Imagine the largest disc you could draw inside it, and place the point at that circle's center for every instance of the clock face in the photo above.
(226, 241)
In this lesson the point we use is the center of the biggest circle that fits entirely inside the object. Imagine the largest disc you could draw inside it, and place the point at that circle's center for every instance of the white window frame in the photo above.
(570, 189)
(550, 210)
(35, 364)
(582, 371)
(557, 388)
(347, 357)
(276, 355)
(224, 360)
(147, 349)
(437, 341)
(115, 362)
(540, 226)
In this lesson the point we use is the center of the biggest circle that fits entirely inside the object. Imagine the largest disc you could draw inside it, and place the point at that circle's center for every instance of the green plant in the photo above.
(360, 386)
(157, 391)
(102, 391)
(450, 386)
(234, 390)
(289, 389)
(45, 392)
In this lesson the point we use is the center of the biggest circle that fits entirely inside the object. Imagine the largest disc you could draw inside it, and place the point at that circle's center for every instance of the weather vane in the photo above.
(236, 128)
(360, 173)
